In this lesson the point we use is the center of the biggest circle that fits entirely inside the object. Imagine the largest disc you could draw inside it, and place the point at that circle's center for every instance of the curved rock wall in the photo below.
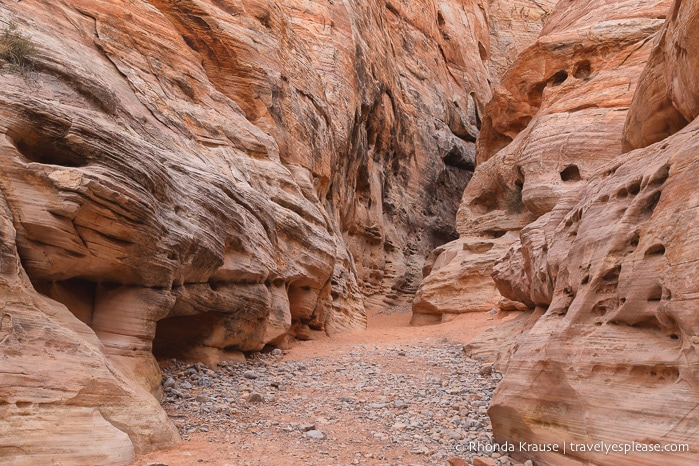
(607, 256)
(554, 120)
(614, 357)
(204, 176)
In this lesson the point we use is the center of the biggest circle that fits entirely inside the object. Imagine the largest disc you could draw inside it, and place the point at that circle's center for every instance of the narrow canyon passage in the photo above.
(393, 394)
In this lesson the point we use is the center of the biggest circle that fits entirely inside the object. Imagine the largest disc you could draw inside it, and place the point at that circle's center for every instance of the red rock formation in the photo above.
(204, 176)
(554, 120)
(612, 271)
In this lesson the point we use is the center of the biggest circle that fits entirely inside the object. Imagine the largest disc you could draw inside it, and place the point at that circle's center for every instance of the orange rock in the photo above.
(613, 264)
(194, 177)
(554, 120)
(454, 461)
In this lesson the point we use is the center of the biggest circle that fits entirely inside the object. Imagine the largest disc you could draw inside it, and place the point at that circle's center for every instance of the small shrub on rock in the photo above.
(15, 47)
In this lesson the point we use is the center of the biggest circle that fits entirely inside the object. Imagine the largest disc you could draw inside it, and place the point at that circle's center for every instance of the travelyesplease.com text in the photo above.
(572, 447)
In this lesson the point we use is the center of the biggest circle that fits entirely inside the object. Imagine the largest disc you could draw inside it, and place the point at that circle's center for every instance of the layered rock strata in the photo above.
(614, 357)
(610, 266)
(554, 120)
(204, 177)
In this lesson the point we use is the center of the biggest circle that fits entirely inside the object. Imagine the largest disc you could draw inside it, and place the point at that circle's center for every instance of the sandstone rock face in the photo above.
(58, 388)
(201, 177)
(614, 357)
(514, 26)
(554, 120)
(612, 268)
(668, 96)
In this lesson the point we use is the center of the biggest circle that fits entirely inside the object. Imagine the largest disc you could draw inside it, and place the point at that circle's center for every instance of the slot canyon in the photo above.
(382, 232)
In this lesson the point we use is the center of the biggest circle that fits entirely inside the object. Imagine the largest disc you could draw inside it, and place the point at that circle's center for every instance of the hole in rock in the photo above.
(660, 176)
(440, 19)
(77, 294)
(602, 307)
(652, 202)
(534, 96)
(43, 147)
(633, 241)
(655, 293)
(558, 78)
(176, 336)
(655, 250)
(647, 322)
(495, 233)
(456, 158)
(635, 188)
(582, 69)
(484, 203)
(612, 275)
(571, 173)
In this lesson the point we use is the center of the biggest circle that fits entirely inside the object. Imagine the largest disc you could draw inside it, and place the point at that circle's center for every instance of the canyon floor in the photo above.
(391, 395)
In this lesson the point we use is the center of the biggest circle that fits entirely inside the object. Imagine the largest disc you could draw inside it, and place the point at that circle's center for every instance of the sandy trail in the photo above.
(271, 432)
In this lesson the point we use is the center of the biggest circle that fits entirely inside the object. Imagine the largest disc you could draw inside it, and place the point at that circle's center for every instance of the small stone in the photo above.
(486, 370)
(315, 434)
(454, 461)
(201, 398)
(529, 463)
(250, 375)
(169, 383)
(156, 463)
(186, 385)
(255, 398)
(308, 427)
(277, 352)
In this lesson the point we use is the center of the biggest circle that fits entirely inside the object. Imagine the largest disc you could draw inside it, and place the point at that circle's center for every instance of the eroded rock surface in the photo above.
(614, 357)
(611, 270)
(554, 120)
(203, 177)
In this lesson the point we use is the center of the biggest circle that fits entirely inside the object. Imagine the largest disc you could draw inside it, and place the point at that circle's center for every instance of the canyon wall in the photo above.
(555, 118)
(201, 177)
(596, 133)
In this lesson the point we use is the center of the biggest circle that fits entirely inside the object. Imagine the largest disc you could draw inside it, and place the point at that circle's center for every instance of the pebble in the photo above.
(255, 398)
(315, 434)
(423, 408)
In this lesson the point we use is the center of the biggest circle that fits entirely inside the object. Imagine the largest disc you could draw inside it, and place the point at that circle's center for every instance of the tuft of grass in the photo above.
(15, 47)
